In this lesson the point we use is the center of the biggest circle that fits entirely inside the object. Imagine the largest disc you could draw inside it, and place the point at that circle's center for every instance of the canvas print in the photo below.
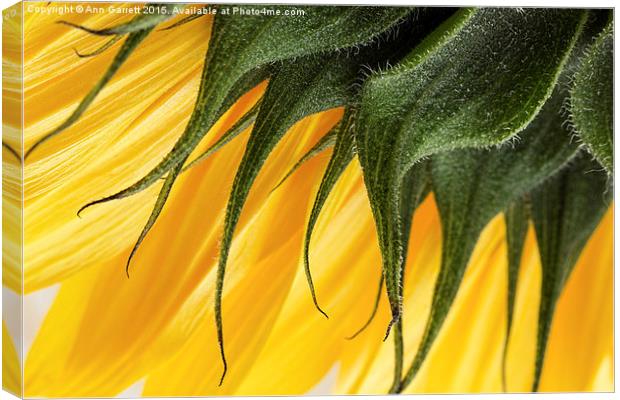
(225, 199)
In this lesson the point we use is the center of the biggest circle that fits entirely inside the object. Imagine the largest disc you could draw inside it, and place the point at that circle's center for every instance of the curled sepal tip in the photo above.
(241, 125)
(99, 50)
(140, 185)
(182, 21)
(324, 143)
(141, 22)
(130, 44)
(157, 208)
(341, 157)
(373, 313)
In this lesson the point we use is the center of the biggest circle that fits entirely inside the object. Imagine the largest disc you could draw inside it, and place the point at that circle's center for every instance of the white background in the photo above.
(522, 3)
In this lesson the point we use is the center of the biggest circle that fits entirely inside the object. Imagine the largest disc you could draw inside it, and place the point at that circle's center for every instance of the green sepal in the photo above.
(238, 127)
(591, 98)
(242, 52)
(340, 159)
(416, 186)
(471, 186)
(242, 86)
(162, 197)
(297, 90)
(128, 47)
(243, 123)
(475, 81)
(328, 140)
(111, 42)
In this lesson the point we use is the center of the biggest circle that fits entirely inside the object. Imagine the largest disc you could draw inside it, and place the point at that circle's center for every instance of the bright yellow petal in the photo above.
(580, 352)
(453, 365)
(466, 357)
(145, 106)
(11, 223)
(522, 347)
(134, 325)
(367, 356)
(11, 135)
(263, 263)
(344, 257)
(11, 368)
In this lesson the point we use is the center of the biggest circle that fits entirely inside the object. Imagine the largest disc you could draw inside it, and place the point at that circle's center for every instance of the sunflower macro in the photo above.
(289, 199)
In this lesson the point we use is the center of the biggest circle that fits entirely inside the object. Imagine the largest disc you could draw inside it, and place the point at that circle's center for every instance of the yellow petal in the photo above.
(580, 352)
(367, 357)
(11, 223)
(11, 135)
(522, 347)
(134, 325)
(11, 368)
(457, 362)
(145, 106)
(344, 257)
(263, 263)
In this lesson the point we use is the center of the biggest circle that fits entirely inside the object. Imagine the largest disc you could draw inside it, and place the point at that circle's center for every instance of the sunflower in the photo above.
(293, 199)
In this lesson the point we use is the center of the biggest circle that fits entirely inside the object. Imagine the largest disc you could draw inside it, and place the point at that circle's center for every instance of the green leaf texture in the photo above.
(416, 186)
(299, 89)
(592, 99)
(471, 186)
(257, 42)
(475, 81)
